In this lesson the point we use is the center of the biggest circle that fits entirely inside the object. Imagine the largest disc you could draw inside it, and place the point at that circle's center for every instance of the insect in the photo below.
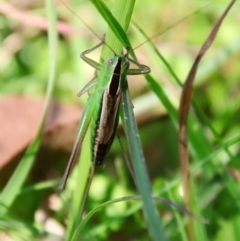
(102, 107)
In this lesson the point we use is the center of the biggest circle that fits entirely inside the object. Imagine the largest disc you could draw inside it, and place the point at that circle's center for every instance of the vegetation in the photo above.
(37, 210)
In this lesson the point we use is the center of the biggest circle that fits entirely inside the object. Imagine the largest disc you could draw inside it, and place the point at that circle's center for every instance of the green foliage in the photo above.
(214, 131)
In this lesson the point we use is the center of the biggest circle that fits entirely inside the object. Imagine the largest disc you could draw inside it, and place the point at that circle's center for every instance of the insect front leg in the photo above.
(143, 69)
(91, 62)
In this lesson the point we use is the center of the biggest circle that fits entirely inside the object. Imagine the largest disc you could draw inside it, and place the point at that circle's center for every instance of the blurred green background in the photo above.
(41, 214)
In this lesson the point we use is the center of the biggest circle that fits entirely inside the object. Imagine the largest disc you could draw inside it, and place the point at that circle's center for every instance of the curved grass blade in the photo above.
(185, 102)
(79, 231)
(19, 176)
(208, 158)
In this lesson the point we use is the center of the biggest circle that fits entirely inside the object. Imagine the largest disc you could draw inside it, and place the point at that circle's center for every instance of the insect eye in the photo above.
(126, 65)
(110, 62)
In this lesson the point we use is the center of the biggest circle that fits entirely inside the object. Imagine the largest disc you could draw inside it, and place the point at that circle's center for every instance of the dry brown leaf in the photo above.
(20, 118)
(185, 102)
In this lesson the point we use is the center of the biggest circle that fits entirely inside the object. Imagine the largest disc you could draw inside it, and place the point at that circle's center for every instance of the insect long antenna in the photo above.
(73, 12)
(170, 26)
(100, 38)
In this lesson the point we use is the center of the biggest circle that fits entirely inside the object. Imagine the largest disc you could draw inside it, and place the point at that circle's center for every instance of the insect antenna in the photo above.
(170, 26)
(102, 39)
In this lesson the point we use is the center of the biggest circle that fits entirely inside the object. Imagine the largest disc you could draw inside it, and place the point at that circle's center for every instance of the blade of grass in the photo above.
(185, 101)
(79, 231)
(139, 166)
(84, 165)
(179, 219)
(118, 22)
(20, 174)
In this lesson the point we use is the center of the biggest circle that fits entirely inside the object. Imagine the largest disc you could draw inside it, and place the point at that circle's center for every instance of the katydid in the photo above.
(102, 107)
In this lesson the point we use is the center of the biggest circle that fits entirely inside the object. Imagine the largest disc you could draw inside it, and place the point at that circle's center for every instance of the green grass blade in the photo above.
(118, 22)
(157, 89)
(82, 174)
(179, 219)
(159, 55)
(79, 231)
(19, 176)
(138, 160)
